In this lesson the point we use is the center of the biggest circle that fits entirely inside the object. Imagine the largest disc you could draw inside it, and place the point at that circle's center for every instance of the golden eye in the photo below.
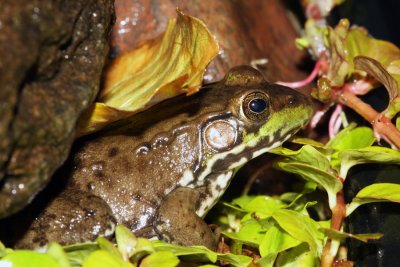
(256, 106)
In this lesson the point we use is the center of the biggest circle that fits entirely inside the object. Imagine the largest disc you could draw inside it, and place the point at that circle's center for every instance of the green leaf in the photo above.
(300, 227)
(160, 259)
(143, 248)
(372, 154)
(294, 197)
(243, 201)
(57, 253)
(381, 192)
(108, 246)
(27, 258)
(126, 241)
(299, 256)
(103, 258)
(335, 234)
(251, 233)
(360, 43)
(276, 240)
(267, 261)
(4, 250)
(78, 253)
(235, 260)
(306, 141)
(306, 154)
(195, 253)
(352, 138)
(201, 254)
(261, 204)
(310, 173)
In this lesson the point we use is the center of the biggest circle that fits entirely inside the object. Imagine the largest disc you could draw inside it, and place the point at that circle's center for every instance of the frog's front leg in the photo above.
(72, 217)
(177, 221)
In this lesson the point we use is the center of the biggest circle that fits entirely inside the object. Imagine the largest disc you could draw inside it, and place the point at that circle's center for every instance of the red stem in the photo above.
(338, 215)
(382, 125)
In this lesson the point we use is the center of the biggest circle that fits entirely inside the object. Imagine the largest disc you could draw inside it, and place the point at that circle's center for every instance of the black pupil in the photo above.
(257, 105)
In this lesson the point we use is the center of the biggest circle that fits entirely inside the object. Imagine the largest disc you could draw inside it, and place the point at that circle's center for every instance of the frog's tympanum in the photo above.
(162, 175)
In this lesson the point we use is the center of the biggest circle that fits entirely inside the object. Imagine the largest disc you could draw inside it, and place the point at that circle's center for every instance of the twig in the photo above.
(338, 215)
(383, 126)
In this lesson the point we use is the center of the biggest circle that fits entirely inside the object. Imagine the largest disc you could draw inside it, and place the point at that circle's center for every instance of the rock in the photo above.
(52, 55)
(245, 30)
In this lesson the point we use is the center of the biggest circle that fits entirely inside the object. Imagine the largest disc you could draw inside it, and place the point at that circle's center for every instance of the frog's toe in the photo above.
(70, 218)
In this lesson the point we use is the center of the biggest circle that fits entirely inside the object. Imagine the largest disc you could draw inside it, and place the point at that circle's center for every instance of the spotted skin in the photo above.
(162, 172)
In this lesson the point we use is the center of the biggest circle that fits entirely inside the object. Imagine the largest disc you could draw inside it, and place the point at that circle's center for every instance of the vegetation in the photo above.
(270, 230)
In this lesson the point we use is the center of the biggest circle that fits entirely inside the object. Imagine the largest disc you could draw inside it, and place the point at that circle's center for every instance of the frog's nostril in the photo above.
(292, 100)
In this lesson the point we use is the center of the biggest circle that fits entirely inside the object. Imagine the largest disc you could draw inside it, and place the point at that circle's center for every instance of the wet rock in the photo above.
(51, 58)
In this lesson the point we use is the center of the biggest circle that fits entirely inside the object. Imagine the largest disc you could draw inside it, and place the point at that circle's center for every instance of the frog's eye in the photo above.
(256, 106)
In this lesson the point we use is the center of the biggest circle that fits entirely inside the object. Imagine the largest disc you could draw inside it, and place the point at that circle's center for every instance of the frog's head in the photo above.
(251, 117)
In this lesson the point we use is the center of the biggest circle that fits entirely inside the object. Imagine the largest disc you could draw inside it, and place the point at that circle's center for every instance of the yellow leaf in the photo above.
(159, 69)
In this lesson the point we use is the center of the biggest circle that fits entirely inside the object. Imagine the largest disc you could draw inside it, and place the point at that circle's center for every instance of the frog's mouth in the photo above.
(218, 177)
(241, 154)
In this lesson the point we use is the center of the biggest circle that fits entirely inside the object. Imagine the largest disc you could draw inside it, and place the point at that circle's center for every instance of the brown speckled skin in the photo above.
(137, 172)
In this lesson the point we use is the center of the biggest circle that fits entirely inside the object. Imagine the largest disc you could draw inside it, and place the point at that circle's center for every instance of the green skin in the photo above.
(162, 179)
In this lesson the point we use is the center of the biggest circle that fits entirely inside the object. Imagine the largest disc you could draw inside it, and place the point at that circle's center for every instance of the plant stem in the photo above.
(382, 125)
(338, 215)
(307, 80)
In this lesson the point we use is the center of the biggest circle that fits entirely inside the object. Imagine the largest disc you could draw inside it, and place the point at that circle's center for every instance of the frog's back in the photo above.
(136, 168)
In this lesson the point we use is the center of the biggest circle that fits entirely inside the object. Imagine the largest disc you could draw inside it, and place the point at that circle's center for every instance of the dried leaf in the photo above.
(376, 70)
(160, 69)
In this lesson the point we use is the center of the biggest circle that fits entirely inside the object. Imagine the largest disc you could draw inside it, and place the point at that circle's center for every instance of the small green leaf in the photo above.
(251, 233)
(310, 173)
(104, 258)
(26, 258)
(160, 259)
(299, 256)
(198, 253)
(382, 192)
(108, 246)
(57, 253)
(306, 141)
(126, 241)
(300, 227)
(306, 154)
(267, 261)
(78, 253)
(352, 138)
(143, 248)
(335, 234)
(243, 201)
(294, 197)
(372, 154)
(277, 240)
(4, 250)
(261, 204)
(235, 260)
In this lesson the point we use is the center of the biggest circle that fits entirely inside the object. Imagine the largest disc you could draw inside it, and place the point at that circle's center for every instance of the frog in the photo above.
(162, 172)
